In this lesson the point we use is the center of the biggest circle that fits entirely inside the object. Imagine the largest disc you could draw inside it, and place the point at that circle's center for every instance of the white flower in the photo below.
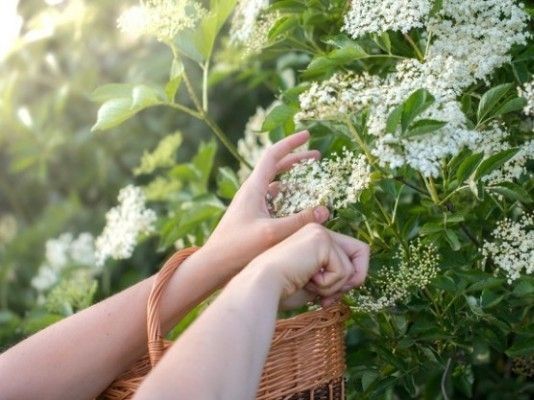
(11, 25)
(512, 248)
(163, 19)
(417, 267)
(244, 20)
(334, 182)
(377, 16)
(124, 224)
(64, 252)
(527, 92)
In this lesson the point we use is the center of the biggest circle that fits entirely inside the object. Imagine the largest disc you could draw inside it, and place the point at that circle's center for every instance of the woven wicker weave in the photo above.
(306, 360)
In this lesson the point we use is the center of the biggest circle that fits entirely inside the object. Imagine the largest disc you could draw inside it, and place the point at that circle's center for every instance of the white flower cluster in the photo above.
(494, 140)
(251, 24)
(333, 182)
(377, 16)
(527, 92)
(470, 40)
(124, 224)
(417, 267)
(254, 141)
(512, 248)
(163, 19)
(65, 252)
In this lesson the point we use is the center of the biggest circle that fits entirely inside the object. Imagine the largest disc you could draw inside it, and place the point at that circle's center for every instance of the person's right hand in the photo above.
(315, 261)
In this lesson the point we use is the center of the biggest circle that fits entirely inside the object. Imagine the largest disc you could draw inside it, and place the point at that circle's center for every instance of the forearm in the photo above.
(222, 354)
(78, 357)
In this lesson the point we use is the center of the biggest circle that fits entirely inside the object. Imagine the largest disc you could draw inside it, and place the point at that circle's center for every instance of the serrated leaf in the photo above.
(490, 99)
(227, 183)
(453, 240)
(424, 126)
(494, 162)
(111, 91)
(416, 104)
(278, 116)
(467, 166)
(512, 191)
(512, 105)
(144, 96)
(113, 113)
(394, 119)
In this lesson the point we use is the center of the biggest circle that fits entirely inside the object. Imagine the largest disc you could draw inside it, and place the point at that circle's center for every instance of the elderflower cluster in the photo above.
(62, 253)
(251, 24)
(377, 16)
(162, 19)
(333, 182)
(527, 92)
(512, 248)
(417, 267)
(469, 40)
(124, 224)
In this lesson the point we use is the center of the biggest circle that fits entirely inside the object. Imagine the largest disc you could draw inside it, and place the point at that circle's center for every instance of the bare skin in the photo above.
(78, 357)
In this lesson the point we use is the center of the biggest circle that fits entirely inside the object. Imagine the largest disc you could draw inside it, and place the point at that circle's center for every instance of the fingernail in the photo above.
(321, 214)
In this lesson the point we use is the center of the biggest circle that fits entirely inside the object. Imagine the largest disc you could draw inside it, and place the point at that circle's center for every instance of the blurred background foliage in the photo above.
(55, 174)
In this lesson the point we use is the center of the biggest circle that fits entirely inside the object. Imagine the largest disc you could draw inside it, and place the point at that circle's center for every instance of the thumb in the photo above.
(286, 226)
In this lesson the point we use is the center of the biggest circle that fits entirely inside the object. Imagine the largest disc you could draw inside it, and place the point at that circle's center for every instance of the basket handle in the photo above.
(155, 338)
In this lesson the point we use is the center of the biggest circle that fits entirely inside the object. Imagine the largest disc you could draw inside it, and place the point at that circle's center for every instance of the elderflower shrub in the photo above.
(512, 247)
(333, 182)
(427, 146)
(124, 225)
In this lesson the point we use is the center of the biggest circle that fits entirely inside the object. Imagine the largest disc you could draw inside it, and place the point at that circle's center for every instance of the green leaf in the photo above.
(522, 346)
(175, 78)
(416, 104)
(512, 191)
(394, 119)
(467, 166)
(494, 162)
(227, 183)
(490, 99)
(424, 126)
(512, 105)
(203, 162)
(283, 25)
(278, 116)
(144, 96)
(347, 54)
(113, 113)
(524, 287)
(111, 91)
(453, 240)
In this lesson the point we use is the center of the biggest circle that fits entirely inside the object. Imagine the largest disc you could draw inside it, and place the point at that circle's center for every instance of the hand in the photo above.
(315, 261)
(247, 228)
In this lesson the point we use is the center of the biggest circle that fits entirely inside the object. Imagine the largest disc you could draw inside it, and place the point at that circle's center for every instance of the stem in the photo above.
(429, 39)
(417, 189)
(185, 109)
(192, 93)
(360, 142)
(224, 139)
(432, 189)
(205, 76)
(465, 230)
(444, 379)
(420, 55)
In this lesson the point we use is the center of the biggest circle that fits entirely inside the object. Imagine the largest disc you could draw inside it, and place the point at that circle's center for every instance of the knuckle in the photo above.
(269, 234)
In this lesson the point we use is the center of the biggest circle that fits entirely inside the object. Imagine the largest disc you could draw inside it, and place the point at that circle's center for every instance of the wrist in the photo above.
(261, 276)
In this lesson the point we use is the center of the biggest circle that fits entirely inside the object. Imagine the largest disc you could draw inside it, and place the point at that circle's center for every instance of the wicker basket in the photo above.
(306, 360)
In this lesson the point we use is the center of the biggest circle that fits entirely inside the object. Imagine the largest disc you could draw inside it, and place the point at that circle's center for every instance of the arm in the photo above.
(221, 355)
(79, 356)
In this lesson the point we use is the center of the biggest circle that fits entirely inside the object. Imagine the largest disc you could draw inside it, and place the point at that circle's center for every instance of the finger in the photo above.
(343, 266)
(291, 159)
(267, 167)
(330, 279)
(358, 252)
(286, 226)
(328, 301)
(274, 189)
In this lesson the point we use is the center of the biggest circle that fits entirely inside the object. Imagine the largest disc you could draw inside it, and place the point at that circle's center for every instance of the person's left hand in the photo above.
(247, 229)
